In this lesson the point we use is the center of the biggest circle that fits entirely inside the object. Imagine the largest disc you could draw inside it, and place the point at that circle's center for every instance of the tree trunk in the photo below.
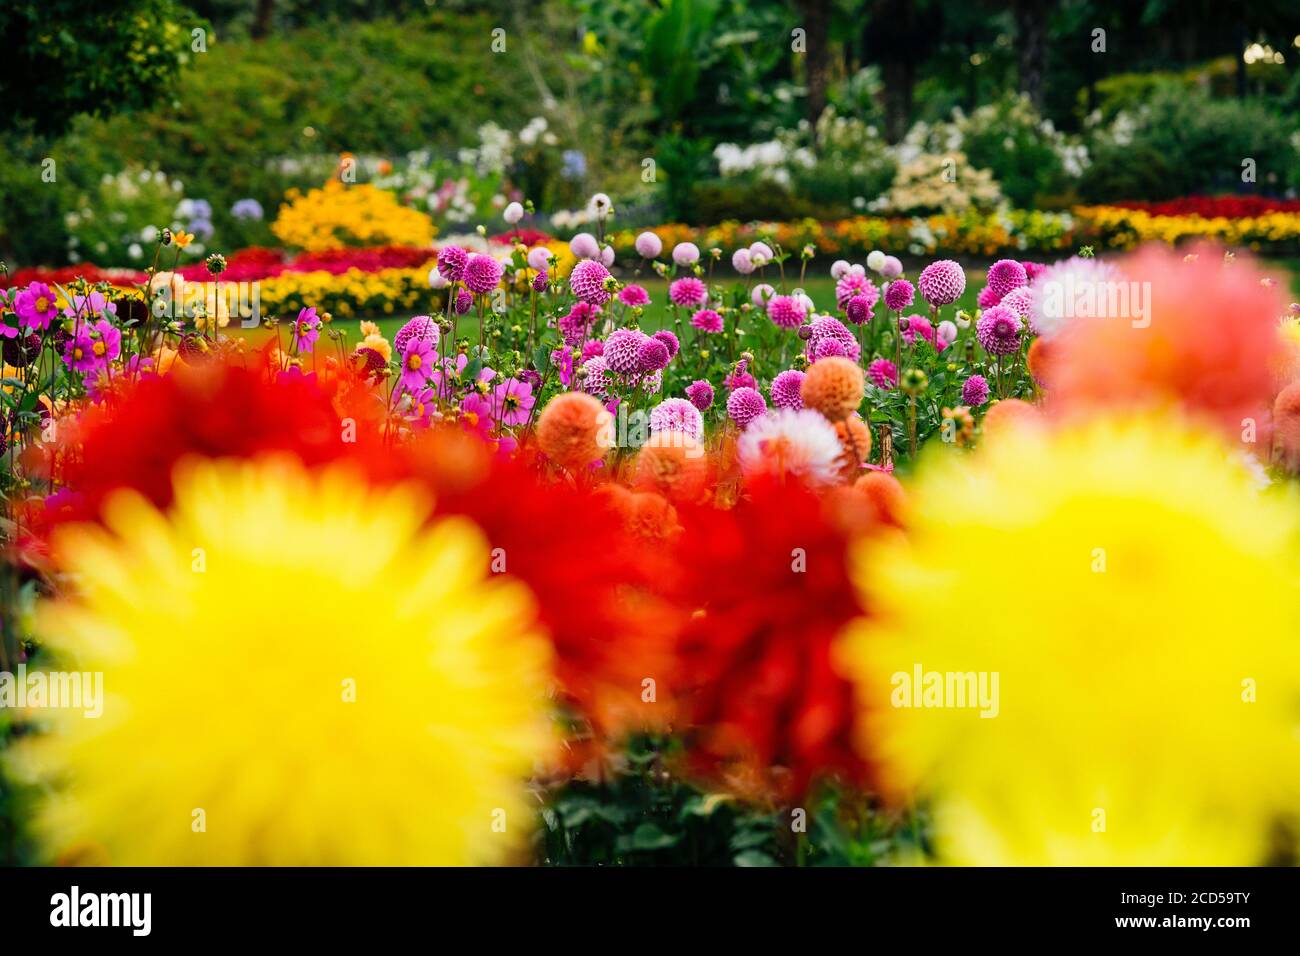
(1031, 20)
(816, 20)
(262, 19)
(893, 38)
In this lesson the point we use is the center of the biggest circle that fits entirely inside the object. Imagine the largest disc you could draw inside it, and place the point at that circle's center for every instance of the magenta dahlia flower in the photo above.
(825, 329)
(418, 364)
(1005, 275)
(854, 283)
(79, 352)
(745, 404)
(633, 296)
(688, 293)
(786, 311)
(785, 389)
(512, 402)
(883, 373)
(587, 282)
(482, 274)
(700, 394)
(623, 350)
(707, 320)
(975, 391)
(899, 295)
(418, 327)
(464, 300)
(669, 340)
(858, 310)
(998, 331)
(942, 282)
(677, 415)
(451, 262)
(651, 356)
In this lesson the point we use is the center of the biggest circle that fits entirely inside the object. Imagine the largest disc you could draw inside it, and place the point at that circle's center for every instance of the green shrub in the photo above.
(1182, 142)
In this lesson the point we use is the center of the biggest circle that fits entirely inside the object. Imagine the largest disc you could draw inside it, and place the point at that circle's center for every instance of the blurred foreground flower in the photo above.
(1141, 624)
(300, 663)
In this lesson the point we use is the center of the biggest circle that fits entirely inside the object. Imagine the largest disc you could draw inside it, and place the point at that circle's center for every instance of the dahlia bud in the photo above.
(165, 237)
(216, 263)
(915, 381)
(747, 357)
(805, 332)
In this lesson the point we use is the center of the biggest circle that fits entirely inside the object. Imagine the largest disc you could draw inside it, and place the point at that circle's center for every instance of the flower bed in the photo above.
(680, 587)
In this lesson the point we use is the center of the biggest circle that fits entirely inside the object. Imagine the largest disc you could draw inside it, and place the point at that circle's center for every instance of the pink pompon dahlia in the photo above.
(669, 340)
(998, 331)
(707, 320)
(700, 394)
(975, 391)
(786, 311)
(623, 350)
(595, 378)
(451, 262)
(587, 282)
(688, 293)
(633, 296)
(858, 310)
(883, 373)
(419, 327)
(677, 415)
(854, 283)
(826, 329)
(652, 356)
(987, 298)
(464, 300)
(899, 295)
(745, 404)
(785, 389)
(482, 274)
(540, 280)
(942, 282)
(1005, 275)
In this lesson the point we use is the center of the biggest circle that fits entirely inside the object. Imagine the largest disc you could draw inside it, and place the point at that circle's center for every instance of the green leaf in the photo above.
(753, 858)
(647, 836)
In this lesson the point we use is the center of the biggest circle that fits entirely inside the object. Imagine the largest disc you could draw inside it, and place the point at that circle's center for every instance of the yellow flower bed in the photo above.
(338, 215)
(1122, 228)
(351, 293)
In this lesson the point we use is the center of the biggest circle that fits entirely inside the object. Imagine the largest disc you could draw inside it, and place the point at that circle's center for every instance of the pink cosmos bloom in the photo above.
(513, 401)
(79, 353)
(107, 342)
(36, 306)
(417, 365)
(305, 329)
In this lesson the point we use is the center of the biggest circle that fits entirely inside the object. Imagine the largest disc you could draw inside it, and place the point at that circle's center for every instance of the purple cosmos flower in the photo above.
(305, 330)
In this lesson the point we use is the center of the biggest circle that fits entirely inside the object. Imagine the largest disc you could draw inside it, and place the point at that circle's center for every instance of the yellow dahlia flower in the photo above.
(1087, 650)
(296, 671)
